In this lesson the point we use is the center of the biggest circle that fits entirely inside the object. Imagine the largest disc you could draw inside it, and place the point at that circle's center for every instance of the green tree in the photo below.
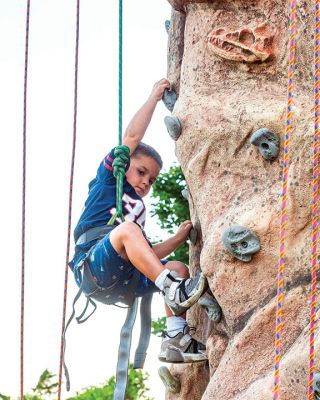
(45, 386)
(44, 390)
(172, 209)
(136, 388)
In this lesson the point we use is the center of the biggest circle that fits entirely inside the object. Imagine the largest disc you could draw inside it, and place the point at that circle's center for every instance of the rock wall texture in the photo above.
(228, 61)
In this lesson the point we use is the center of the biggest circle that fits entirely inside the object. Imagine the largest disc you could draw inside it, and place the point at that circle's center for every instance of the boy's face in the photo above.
(142, 173)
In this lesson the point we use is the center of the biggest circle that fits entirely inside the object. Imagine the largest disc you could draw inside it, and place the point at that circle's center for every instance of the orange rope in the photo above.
(315, 215)
(284, 202)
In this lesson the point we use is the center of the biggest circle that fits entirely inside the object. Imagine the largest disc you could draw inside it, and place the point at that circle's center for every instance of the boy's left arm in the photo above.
(168, 246)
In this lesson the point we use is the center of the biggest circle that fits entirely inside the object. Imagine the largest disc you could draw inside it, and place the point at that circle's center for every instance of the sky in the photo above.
(91, 347)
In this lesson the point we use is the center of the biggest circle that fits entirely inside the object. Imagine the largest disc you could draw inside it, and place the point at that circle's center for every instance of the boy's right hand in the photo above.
(159, 88)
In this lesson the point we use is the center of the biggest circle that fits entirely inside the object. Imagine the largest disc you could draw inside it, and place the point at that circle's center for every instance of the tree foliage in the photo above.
(46, 387)
(136, 388)
(171, 207)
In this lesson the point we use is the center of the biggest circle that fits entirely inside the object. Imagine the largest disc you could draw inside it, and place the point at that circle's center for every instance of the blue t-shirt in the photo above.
(101, 202)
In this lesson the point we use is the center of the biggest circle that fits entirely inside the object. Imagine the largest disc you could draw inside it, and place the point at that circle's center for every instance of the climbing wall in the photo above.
(228, 61)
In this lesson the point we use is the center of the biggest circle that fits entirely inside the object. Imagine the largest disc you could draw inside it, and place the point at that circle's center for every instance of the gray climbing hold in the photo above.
(193, 236)
(167, 23)
(267, 143)
(316, 386)
(185, 193)
(241, 242)
(171, 383)
(211, 306)
(174, 127)
(169, 98)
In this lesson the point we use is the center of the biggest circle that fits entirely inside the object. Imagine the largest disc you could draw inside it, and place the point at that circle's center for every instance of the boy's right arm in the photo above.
(141, 120)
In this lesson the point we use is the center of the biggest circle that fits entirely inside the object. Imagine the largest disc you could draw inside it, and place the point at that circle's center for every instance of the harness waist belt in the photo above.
(94, 233)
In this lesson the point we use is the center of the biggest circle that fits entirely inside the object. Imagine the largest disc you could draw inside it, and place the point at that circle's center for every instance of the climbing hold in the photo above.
(171, 383)
(316, 386)
(267, 142)
(169, 98)
(167, 25)
(193, 236)
(174, 127)
(241, 242)
(211, 306)
(185, 193)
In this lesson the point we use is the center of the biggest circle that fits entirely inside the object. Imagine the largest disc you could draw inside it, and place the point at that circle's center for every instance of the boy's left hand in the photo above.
(159, 88)
(183, 231)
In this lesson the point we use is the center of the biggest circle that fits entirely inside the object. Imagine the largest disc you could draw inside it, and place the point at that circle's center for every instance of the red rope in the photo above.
(24, 202)
(70, 198)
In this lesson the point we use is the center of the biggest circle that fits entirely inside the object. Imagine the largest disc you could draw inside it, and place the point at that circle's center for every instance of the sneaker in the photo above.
(180, 294)
(182, 348)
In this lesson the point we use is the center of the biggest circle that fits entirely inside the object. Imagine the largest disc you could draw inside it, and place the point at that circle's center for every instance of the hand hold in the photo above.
(241, 242)
(193, 236)
(171, 383)
(210, 304)
(316, 386)
(185, 193)
(167, 23)
(169, 98)
(267, 142)
(174, 127)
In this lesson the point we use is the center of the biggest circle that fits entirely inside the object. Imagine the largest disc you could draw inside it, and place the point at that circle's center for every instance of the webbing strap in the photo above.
(145, 331)
(124, 352)
(79, 320)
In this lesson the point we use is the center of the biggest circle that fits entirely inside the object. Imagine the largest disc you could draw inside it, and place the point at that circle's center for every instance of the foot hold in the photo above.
(171, 383)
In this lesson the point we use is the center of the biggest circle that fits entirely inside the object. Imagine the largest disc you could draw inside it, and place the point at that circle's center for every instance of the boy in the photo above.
(114, 259)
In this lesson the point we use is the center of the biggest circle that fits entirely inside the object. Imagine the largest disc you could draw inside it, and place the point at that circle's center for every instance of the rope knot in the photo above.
(121, 162)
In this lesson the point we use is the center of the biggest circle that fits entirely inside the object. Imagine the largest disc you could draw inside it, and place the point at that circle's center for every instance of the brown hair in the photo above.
(148, 151)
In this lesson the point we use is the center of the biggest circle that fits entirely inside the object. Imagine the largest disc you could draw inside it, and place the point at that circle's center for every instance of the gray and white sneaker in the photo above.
(182, 348)
(180, 294)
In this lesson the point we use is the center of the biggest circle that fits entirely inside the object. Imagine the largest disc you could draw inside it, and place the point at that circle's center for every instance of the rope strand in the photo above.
(315, 187)
(121, 162)
(23, 236)
(70, 197)
(120, 74)
(284, 202)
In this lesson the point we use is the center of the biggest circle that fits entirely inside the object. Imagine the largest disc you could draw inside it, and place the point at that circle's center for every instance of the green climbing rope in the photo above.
(120, 165)
(121, 162)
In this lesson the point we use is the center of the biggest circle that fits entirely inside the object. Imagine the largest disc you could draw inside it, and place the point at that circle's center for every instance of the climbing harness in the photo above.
(88, 285)
(284, 201)
(24, 202)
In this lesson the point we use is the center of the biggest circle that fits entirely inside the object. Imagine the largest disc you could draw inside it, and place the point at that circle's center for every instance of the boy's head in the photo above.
(144, 168)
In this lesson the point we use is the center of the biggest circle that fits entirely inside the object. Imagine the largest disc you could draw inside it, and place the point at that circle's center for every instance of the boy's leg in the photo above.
(128, 241)
(178, 346)
(180, 293)
(182, 270)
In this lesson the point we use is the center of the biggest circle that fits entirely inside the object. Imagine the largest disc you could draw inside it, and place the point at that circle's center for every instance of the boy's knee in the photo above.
(128, 229)
(179, 267)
